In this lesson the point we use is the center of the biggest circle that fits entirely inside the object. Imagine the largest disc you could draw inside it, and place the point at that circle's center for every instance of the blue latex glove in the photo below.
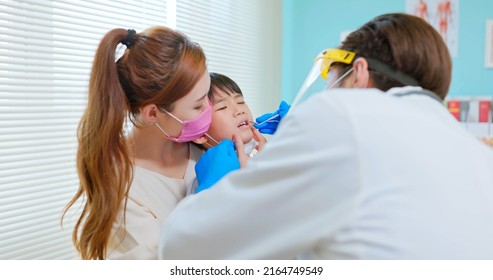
(215, 163)
(270, 126)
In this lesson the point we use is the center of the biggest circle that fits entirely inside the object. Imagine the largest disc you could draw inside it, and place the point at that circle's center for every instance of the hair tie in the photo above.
(128, 41)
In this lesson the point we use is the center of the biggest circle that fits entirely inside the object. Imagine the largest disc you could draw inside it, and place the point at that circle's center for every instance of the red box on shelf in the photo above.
(484, 111)
(454, 108)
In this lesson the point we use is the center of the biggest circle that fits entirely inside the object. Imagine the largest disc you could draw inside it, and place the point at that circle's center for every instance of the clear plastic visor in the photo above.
(321, 68)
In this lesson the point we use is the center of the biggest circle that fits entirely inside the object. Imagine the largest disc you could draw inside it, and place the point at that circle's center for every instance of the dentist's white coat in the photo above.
(348, 174)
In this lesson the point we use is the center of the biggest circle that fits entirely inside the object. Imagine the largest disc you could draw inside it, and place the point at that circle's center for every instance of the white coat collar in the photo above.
(400, 90)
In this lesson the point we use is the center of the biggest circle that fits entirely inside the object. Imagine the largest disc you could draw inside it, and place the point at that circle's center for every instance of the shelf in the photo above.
(479, 129)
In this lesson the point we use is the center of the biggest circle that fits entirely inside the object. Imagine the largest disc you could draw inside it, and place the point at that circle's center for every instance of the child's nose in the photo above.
(238, 111)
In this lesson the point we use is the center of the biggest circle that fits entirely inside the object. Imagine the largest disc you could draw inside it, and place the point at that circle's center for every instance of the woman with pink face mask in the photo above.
(131, 181)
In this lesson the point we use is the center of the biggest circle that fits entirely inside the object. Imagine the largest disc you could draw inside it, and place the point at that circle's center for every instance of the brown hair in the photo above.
(408, 44)
(224, 83)
(158, 67)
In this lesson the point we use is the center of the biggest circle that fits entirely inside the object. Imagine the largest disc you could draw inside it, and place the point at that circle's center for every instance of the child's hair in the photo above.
(224, 83)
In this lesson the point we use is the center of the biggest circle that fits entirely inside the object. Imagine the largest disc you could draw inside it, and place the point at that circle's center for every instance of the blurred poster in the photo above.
(441, 14)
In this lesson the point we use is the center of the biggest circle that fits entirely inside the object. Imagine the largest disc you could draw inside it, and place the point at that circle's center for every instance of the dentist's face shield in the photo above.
(330, 56)
(321, 68)
(326, 58)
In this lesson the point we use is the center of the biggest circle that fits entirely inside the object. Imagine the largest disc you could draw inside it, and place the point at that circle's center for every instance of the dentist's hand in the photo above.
(215, 163)
(266, 126)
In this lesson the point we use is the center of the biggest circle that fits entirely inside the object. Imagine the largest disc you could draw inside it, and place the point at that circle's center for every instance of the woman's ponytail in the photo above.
(103, 161)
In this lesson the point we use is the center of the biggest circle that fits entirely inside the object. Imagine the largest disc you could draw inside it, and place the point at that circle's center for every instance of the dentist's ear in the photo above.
(361, 74)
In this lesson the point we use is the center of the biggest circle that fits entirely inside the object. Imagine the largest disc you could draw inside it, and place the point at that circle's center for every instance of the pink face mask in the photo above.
(191, 129)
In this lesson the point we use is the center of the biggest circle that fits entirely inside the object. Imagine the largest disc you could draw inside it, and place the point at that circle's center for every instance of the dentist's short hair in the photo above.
(406, 43)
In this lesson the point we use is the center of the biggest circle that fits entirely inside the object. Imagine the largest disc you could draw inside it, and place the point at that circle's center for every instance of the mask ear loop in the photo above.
(174, 117)
(160, 128)
(339, 79)
(213, 140)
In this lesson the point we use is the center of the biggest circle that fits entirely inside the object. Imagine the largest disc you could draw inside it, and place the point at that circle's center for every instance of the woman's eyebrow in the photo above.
(201, 98)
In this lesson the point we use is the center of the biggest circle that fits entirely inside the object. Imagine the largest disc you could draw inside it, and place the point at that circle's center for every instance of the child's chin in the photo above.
(246, 138)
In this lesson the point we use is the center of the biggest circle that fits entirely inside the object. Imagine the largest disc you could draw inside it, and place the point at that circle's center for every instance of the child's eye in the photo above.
(241, 102)
(222, 108)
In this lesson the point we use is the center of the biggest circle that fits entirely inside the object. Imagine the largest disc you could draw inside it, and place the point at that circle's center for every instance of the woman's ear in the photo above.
(361, 73)
(149, 113)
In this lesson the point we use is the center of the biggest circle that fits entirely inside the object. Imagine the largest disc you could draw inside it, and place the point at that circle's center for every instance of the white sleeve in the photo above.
(293, 195)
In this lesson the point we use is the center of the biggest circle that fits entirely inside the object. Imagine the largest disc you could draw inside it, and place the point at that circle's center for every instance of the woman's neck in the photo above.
(151, 150)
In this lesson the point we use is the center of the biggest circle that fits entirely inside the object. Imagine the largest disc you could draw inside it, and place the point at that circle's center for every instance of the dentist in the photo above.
(377, 169)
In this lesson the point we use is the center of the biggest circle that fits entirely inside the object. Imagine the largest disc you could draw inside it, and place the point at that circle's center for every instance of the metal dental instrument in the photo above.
(269, 119)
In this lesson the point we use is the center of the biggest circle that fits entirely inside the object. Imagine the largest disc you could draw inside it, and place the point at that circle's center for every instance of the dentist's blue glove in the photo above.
(267, 123)
(215, 163)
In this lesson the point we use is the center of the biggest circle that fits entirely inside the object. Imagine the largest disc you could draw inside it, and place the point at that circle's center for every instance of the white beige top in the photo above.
(151, 199)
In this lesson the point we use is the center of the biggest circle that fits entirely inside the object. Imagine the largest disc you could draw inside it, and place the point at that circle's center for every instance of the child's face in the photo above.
(230, 114)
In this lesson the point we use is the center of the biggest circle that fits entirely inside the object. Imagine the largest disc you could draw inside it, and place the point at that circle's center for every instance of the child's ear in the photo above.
(201, 140)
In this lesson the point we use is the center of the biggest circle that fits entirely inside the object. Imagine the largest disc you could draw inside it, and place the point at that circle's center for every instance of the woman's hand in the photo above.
(242, 157)
(257, 136)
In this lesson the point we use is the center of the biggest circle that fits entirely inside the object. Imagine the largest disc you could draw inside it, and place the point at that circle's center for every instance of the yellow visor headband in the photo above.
(330, 56)
(324, 61)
